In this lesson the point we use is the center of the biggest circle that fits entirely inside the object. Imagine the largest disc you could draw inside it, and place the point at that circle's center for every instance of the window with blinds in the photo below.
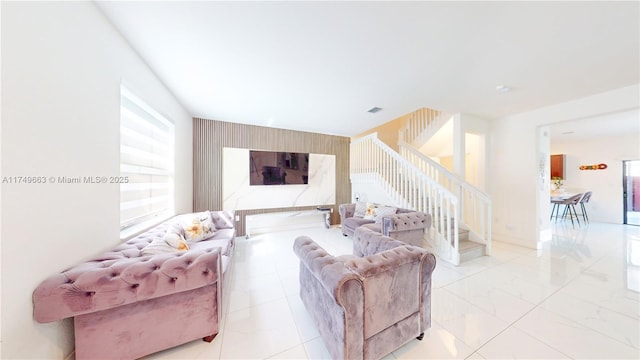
(146, 162)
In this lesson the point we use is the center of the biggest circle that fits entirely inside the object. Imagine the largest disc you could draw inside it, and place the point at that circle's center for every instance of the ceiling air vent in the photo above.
(374, 110)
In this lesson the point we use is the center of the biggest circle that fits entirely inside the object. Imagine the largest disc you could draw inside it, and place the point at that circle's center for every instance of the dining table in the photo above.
(559, 195)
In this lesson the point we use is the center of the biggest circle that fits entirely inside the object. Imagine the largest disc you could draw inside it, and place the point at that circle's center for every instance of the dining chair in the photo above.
(585, 199)
(570, 207)
(556, 208)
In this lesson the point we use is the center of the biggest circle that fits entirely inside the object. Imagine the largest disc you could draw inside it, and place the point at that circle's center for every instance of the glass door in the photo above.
(631, 192)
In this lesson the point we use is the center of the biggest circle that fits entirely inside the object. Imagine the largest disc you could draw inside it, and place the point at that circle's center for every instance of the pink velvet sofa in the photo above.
(126, 305)
(406, 225)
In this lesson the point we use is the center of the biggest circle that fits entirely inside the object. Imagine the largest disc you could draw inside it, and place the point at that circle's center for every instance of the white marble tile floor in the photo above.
(576, 297)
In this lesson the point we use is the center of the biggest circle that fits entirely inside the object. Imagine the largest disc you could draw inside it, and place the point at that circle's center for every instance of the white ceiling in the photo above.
(607, 125)
(600, 126)
(318, 66)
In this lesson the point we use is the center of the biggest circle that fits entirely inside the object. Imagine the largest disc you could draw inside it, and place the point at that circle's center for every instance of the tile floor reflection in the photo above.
(577, 297)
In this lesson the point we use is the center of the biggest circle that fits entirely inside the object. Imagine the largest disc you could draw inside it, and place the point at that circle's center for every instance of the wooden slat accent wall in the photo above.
(211, 136)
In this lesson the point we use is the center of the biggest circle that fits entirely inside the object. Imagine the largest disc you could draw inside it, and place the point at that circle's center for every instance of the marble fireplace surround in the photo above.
(239, 195)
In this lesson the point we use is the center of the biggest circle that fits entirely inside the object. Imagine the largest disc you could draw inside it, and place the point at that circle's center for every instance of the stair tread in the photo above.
(467, 245)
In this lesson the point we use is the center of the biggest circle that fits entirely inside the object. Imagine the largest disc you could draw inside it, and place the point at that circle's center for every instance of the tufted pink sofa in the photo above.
(406, 225)
(126, 305)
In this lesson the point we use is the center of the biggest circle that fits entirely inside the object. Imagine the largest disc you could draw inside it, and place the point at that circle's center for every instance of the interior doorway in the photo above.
(631, 191)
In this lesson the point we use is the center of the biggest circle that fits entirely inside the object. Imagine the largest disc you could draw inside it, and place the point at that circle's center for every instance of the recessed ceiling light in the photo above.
(374, 110)
(501, 89)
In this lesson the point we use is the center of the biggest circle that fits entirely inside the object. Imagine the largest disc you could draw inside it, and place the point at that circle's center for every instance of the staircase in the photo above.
(468, 249)
(475, 205)
(461, 213)
(421, 125)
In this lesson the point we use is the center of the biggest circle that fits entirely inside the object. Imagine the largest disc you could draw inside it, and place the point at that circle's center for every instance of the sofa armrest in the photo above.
(334, 297)
(346, 210)
(405, 222)
(98, 285)
(428, 266)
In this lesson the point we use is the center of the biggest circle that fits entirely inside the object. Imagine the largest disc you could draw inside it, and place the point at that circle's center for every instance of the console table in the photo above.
(261, 223)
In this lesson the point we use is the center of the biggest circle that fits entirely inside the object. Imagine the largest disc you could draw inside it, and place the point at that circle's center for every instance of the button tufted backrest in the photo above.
(367, 242)
(100, 285)
(407, 221)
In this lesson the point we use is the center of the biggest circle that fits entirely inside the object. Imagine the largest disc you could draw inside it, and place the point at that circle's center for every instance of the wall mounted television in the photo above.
(278, 168)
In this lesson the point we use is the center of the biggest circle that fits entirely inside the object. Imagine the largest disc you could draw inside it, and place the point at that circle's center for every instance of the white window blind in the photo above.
(146, 161)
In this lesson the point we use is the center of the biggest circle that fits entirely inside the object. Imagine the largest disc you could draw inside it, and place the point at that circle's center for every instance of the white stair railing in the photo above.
(422, 124)
(474, 205)
(409, 186)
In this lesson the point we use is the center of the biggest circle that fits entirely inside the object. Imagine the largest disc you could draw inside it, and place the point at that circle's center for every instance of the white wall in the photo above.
(514, 169)
(475, 166)
(543, 180)
(465, 137)
(62, 66)
(606, 203)
(475, 132)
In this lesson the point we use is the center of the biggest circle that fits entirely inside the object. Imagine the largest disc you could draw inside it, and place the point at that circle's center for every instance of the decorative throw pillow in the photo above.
(197, 227)
(176, 240)
(370, 213)
(172, 242)
(361, 209)
(222, 219)
(383, 211)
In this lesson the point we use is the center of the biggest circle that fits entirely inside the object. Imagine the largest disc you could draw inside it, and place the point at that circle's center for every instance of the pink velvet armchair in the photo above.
(366, 307)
